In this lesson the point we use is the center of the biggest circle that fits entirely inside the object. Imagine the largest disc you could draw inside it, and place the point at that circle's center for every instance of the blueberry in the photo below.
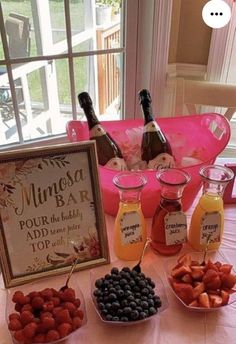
(124, 303)
(107, 277)
(109, 317)
(145, 291)
(132, 283)
(97, 292)
(112, 290)
(137, 279)
(115, 306)
(144, 298)
(139, 309)
(152, 311)
(138, 295)
(138, 302)
(115, 271)
(120, 293)
(99, 283)
(115, 318)
(126, 269)
(105, 284)
(120, 312)
(131, 298)
(142, 315)
(157, 301)
(127, 287)
(136, 289)
(144, 304)
(142, 284)
(124, 319)
(112, 297)
(123, 282)
(133, 273)
(101, 305)
(128, 293)
(127, 310)
(104, 312)
(134, 314)
(132, 304)
(108, 306)
(151, 302)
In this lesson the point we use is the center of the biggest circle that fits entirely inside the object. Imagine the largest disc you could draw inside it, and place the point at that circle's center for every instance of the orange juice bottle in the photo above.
(130, 226)
(208, 217)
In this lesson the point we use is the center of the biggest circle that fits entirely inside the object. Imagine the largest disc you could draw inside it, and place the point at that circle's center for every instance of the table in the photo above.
(175, 325)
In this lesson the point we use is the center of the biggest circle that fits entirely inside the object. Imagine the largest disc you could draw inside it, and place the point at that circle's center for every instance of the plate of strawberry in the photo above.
(41, 312)
(202, 285)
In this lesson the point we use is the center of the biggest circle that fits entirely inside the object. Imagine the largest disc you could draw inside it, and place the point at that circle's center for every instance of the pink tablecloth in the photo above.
(175, 325)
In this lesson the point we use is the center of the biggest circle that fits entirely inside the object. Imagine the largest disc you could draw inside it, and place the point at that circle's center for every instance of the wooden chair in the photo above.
(192, 93)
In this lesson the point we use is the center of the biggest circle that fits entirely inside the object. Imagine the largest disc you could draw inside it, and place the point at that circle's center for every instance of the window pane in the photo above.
(43, 98)
(8, 129)
(105, 82)
(57, 16)
(1, 50)
(35, 29)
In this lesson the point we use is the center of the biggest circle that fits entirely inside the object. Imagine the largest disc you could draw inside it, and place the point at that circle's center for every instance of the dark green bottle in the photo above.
(155, 148)
(108, 151)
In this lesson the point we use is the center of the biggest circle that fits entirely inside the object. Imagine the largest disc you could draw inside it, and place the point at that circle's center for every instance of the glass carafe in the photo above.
(207, 221)
(130, 226)
(169, 225)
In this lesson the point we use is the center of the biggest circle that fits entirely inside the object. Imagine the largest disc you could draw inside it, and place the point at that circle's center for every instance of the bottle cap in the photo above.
(144, 96)
(84, 99)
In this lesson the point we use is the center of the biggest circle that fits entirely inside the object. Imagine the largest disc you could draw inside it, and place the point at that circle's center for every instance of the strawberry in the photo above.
(63, 316)
(228, 280)
(180, 271)
(76, 323)
(204, 300)
(15, 325)
(26, 317)
(52, 335)
(187, 278)
(215, 300)
(39, 338)
(64, 329)
(184, 292)
(225, 297)
(199, 289)
(29, 330)
(226, 268)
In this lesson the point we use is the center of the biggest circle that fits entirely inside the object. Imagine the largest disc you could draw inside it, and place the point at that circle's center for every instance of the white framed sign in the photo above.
(51, 212)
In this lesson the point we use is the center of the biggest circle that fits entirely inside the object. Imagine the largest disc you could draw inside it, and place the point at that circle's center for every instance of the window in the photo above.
(50, 51)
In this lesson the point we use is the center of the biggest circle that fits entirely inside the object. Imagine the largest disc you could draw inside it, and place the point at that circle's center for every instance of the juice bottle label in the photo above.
(162, 160)
(116, 164)
(130, 228)
(210, 225)
(175, 228)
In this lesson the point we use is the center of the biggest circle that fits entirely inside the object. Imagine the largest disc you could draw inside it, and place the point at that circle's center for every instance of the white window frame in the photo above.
(145, 58)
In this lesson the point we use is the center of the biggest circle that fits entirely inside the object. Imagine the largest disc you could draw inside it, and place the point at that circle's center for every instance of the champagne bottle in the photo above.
(108, 152)
(155, 148)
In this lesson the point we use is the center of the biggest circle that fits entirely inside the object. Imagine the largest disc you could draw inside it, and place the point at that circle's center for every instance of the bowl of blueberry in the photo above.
(123, 296)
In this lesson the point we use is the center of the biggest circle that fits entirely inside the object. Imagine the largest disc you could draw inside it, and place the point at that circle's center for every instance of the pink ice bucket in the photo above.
(196, 140)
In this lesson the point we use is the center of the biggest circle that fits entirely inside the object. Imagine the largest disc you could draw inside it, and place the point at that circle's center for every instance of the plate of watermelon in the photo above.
(199, 285)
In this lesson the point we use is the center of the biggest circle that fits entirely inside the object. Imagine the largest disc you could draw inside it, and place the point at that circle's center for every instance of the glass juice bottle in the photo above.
(130, 225)
(169, 225)
(207, 220)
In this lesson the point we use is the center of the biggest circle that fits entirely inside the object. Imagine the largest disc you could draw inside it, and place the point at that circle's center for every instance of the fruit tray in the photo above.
(196, 140)
(202, 287)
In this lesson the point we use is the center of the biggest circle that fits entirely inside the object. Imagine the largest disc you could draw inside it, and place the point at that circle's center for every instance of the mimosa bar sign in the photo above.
(51, 212)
